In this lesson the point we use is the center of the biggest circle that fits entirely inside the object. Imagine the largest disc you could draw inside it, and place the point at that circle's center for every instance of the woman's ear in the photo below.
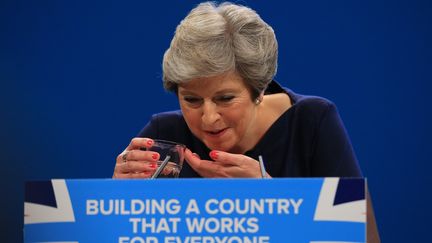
(259, 99)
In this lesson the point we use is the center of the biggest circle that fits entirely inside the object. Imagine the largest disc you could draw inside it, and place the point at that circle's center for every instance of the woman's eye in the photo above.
(192, 100)
(225, 98)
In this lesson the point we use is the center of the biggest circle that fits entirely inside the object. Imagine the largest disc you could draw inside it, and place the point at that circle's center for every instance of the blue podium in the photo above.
(300, 210)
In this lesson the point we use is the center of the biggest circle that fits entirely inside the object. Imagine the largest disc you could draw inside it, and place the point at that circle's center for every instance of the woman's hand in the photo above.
(224, 165)
(133, 162)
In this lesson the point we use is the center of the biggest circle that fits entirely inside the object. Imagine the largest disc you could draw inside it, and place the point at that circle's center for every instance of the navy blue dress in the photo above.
(307, 140)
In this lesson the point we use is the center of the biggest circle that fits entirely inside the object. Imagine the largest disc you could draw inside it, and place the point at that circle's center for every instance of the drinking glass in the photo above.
(171, 158)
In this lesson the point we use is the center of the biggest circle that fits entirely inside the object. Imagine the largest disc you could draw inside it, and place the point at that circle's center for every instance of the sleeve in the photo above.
(334, 155)
(150, 130)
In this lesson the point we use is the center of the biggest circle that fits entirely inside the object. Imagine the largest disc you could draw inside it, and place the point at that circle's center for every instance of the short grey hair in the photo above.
(215, 39)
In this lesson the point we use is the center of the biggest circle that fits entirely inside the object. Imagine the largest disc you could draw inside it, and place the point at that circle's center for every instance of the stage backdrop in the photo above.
(79, 79)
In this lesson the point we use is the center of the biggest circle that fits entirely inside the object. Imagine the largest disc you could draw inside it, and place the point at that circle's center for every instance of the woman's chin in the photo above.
(218, 146)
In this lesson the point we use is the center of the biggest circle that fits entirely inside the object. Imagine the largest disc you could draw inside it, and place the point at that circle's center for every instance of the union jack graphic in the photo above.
(47, 202)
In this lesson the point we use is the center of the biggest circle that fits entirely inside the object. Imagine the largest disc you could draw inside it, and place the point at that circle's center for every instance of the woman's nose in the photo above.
(210, 113)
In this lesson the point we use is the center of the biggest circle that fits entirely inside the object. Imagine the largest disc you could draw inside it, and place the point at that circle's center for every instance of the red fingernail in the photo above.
(214, 154)
(149, 142)
(155, 156)
(152, 165)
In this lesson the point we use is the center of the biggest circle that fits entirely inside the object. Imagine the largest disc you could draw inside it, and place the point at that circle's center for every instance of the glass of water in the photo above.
(171, 158)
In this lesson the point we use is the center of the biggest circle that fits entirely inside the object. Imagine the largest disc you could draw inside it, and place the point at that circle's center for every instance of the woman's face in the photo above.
(219, 111)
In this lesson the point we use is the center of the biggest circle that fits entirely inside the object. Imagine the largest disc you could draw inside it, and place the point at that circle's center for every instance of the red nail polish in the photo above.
(149, 142)
(214, 154)
(152, 165)
(154, 156)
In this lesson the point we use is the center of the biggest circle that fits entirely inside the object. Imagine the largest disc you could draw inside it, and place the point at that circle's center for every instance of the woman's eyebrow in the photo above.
(219, 92)
(229, 90)
(186, 92)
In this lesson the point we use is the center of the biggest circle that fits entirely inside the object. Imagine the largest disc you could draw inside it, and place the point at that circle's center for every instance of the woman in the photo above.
(221, 64)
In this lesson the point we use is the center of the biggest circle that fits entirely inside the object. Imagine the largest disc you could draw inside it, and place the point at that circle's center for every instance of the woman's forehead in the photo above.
(214, 83)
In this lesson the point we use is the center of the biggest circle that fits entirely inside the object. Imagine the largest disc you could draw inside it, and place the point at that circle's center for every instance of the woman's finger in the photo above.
(230, 159)
(140, 175)
(139, 155)
(136, 167)
(205, 168)
(138, 143)
(237, 165)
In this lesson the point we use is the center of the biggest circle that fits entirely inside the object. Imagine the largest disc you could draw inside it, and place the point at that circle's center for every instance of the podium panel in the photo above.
(309, 210)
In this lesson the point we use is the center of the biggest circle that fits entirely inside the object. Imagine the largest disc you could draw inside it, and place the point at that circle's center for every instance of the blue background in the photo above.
(80, 78)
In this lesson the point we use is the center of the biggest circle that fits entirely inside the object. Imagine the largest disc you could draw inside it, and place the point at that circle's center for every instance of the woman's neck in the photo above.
(267, 112)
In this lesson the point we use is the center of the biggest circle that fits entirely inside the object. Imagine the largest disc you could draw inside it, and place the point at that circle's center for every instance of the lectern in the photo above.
(299, 210)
